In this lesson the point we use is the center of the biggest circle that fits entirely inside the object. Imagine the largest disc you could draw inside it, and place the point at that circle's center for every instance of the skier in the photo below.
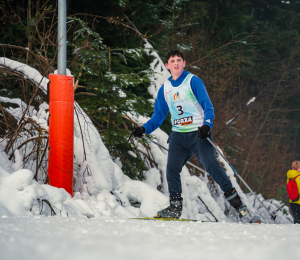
(192, 114)
(295, 204)
(255, 220)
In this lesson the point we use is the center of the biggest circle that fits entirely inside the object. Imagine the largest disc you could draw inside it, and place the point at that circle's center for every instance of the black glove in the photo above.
(203, 131)
(138, 131)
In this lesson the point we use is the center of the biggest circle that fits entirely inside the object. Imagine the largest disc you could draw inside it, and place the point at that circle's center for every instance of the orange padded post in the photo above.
(61, 132)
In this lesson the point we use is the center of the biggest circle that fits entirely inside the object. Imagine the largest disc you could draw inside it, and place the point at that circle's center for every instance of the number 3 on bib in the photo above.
(181, 112)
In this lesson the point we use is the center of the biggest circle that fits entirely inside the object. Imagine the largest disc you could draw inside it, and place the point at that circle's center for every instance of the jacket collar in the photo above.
(179, 80)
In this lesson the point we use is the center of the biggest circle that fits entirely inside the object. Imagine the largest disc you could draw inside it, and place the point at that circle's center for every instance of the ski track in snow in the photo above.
(71, 238)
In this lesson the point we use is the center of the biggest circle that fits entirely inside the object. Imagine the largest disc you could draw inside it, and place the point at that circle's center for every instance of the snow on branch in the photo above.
(25, 71)
(161, 74)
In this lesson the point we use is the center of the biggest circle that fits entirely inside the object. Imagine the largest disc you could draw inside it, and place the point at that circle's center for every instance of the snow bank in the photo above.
(19, 193)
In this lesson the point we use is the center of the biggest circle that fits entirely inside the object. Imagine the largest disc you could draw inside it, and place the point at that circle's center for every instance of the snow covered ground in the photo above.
(75, 238)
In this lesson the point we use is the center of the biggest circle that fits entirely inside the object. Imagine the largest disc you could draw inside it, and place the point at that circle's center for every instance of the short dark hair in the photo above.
(173, 53)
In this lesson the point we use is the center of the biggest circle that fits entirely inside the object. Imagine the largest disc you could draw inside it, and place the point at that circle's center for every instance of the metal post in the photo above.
(62, 37)
(61, 113)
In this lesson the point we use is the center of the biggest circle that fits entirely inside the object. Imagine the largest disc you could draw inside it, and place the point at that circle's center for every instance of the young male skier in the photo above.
(192, 114)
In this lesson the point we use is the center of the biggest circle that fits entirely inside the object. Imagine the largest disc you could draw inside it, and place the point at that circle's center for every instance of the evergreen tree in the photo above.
(114, 80)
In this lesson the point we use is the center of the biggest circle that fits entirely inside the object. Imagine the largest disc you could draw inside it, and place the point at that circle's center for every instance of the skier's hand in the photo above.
(138, 131)
(203, 131)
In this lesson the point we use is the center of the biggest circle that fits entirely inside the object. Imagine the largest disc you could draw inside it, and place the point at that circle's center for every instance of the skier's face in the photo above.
(176, 66)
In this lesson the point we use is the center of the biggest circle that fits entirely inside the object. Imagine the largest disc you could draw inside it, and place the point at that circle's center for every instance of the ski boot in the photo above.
(235, 201)
(173, 211)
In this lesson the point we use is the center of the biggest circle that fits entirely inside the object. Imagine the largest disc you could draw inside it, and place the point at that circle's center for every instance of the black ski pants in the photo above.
(181, 147)
(295, 207)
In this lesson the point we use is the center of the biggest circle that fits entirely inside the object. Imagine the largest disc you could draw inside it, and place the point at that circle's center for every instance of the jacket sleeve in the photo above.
(201, 94)
(161, 110)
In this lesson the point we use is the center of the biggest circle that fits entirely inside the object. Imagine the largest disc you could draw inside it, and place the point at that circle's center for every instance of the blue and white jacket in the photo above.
(187, 100)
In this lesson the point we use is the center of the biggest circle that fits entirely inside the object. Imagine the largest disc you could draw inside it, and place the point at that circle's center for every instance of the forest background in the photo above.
(240, 48)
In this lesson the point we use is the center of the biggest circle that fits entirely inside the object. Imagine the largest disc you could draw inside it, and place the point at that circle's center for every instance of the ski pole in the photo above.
(273, 216)
(279, 208)
(208, 209)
